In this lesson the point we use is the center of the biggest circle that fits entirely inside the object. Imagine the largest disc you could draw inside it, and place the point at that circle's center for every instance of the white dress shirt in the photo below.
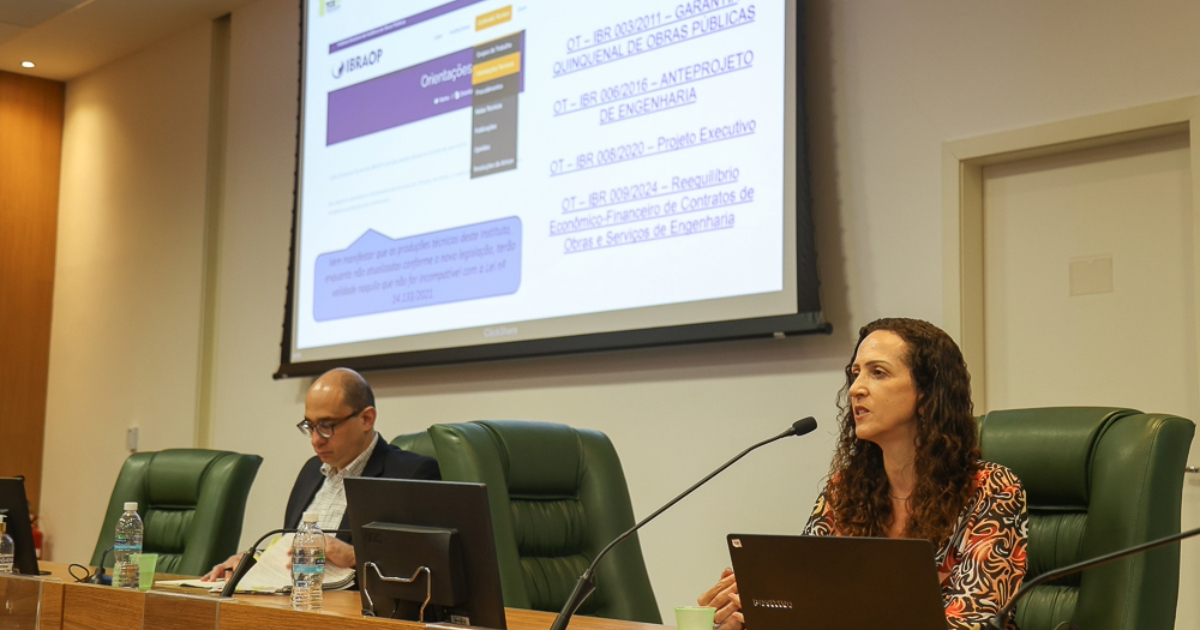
(330, 500)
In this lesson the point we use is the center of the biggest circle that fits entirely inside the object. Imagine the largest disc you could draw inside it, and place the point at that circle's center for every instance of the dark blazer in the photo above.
(386, 461)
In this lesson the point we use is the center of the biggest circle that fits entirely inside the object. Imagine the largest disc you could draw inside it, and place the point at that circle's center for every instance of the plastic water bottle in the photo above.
(308, 564)
(6, 549)
(127, 548)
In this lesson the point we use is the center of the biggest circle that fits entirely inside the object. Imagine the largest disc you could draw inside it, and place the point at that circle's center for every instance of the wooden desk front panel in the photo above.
(241, 616)
(71, 606)
(343, 611)
(171, 611)
(52, 606)
(89, 607)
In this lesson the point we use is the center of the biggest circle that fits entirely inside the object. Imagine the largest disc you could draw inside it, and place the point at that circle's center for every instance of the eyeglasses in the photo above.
(325, 427)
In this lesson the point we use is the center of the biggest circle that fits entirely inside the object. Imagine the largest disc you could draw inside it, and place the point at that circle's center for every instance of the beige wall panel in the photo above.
(124, 340)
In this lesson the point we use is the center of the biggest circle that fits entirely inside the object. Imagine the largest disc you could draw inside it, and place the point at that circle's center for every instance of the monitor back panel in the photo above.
(438, 504)
(14, 506)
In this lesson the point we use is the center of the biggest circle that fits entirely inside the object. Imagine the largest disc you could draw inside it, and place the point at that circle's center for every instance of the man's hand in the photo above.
(724, 597)
(223, 570)
(339, 553)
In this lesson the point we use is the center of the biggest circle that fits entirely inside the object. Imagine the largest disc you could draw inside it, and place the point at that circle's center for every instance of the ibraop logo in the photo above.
(357, 62)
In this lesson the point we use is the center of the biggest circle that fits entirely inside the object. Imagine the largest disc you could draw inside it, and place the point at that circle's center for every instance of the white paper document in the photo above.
(272, 573)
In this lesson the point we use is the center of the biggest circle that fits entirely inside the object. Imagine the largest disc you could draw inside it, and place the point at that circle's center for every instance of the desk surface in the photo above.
(67, 605)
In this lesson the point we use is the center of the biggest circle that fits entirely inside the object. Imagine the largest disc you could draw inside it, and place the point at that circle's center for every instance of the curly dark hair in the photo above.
(947, 445)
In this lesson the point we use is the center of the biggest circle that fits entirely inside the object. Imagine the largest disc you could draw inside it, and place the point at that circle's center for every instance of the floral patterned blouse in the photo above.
(984, 557)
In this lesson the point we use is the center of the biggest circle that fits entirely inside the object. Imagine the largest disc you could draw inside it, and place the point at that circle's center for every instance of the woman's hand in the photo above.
(724, 597)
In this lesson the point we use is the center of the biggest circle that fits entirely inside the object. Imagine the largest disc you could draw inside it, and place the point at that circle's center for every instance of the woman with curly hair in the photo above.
(907, 466)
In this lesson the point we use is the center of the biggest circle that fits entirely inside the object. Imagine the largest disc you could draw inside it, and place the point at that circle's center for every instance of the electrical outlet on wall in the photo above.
(131, 439)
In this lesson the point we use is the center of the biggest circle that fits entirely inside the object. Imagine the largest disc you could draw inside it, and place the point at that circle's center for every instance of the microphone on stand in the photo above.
(248, 559)
(585, 586)
(997, 622)
(99, 577)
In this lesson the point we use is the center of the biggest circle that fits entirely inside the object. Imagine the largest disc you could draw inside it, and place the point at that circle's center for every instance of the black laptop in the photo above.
(788, 582)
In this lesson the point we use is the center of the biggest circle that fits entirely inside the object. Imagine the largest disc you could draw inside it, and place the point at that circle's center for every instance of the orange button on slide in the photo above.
(496, 68)
(492, 18)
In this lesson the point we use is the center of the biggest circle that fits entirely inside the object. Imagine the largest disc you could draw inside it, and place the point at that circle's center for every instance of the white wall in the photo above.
(888, 83)
(125, 336)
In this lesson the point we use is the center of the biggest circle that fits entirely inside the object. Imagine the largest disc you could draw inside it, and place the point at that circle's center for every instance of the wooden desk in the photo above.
(66, 605)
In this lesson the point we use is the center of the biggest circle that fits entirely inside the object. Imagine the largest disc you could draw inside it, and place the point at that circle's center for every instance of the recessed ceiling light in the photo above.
(26, 64)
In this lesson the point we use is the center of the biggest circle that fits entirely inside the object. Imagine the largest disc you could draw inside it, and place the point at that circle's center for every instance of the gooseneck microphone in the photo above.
(99, 577)
(585, 586)
(997, 622)
(248, 559)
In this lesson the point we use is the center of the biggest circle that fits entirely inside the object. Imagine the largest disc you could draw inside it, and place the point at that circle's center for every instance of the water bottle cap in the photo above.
(131, 505)
(311, 517)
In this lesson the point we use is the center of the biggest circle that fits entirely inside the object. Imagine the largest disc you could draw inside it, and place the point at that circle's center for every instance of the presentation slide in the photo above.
(486, 171)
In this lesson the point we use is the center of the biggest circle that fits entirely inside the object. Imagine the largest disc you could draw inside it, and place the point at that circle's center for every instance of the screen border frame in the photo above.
(808, 318)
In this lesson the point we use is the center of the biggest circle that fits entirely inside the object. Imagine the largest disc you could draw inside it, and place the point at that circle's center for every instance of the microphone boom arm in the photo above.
(998, 622)
(585, 586)
(248, 560)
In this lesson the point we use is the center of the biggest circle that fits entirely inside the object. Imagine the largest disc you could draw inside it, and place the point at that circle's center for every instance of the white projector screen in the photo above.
(483, 179)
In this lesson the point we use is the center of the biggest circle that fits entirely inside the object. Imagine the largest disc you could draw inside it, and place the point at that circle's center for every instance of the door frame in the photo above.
(963, 162)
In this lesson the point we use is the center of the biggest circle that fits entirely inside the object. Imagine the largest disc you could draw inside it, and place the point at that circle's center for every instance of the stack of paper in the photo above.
(273, 574)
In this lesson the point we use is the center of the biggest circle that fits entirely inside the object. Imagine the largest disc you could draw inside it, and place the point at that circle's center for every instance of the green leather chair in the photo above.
(419, 443)
(557, 497)
(1096, 480)
(191, 502)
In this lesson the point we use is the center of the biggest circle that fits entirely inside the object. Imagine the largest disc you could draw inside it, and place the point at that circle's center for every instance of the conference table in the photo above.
(57, 602)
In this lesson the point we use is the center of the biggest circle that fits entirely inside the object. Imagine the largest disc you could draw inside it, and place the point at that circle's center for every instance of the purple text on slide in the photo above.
(377, 274)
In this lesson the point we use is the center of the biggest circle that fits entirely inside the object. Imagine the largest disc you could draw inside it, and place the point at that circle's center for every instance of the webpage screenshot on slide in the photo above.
(497, 170)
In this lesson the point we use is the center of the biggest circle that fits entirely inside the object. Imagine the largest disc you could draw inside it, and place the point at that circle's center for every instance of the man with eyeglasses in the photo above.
(339, 420)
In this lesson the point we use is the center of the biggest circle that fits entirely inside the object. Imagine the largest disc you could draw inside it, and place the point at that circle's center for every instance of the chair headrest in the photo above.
(176, 475)
(541, 459)
(419, 443)
(1050, 449)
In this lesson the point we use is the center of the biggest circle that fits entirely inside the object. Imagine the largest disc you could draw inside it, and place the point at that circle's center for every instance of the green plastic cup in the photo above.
(694, 617)
(146, 564)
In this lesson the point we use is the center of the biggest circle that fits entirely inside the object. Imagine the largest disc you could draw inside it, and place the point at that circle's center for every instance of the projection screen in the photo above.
(483, 179)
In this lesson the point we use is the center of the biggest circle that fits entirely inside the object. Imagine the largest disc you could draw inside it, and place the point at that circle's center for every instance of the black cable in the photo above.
(87, 573)
(97, 577)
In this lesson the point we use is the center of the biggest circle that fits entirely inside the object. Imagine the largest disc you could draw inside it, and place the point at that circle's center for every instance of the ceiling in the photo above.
(68, 38)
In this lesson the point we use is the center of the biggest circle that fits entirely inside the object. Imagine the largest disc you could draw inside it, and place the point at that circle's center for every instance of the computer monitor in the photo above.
(15, 509)
(400, 525)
